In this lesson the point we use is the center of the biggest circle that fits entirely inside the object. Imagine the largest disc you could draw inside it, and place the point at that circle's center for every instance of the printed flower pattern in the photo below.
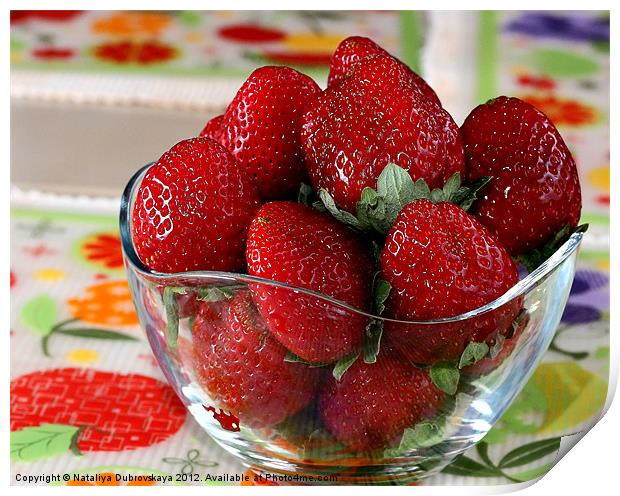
(135, 52)
(200, 42)
(564, 111)
(102, 251)
(563, 27)
(107, 303)
(126, 24)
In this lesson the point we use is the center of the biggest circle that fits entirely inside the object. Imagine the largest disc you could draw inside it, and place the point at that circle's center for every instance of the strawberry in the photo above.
(501, 351)
(373, 117)
(192, 210)
(372, 404)
(261, 128)
(441, 262)
(348, 52)
(242, 366)
(213, 129)
(116, 412)
(535, 189)
(297, 245)
(356, 48)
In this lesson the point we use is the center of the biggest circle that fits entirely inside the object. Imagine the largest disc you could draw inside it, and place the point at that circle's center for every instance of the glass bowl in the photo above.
(285, 423)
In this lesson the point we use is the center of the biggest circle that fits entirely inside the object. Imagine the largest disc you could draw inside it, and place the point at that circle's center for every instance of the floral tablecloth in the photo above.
(83, 375)
(155, 58)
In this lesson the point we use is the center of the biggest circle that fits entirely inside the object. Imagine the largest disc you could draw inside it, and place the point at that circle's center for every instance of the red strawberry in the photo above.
(261, 128)
(242, 366)
(213, 128)
(488, 364)
(118, 412)
(356, 48)
(441, 262)
(348, 52)
(192, 210)
(372, 404)
(535, 188)
(295, 244)
(373, 117)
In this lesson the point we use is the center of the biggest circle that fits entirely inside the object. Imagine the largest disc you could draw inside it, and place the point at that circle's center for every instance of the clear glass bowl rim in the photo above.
(523, 287)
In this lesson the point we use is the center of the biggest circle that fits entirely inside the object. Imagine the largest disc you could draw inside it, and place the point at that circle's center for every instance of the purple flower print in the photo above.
(579, 27)
(580, 314)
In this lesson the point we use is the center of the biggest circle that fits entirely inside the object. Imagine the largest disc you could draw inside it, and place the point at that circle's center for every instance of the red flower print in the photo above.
(52, 53)
(250, 33)
(103, 249)
(537, 82)
(135, 52)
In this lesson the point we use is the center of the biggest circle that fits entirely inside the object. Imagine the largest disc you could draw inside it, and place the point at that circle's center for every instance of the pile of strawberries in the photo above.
(366, 192)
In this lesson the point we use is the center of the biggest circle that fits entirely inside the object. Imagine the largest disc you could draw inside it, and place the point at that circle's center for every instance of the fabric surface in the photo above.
(162, 58)
(72, 322)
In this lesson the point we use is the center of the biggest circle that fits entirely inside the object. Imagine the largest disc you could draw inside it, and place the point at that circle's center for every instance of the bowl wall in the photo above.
(211, 334)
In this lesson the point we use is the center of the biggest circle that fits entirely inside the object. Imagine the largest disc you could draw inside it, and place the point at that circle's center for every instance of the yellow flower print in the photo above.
(50, 275)
(82, 356)
(599, 178)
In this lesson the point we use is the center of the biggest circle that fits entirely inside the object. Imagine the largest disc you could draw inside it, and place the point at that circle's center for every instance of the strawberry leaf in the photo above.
(366, 208)
(396, 187)
(376, 251)
(423, 435)
(217, 293)
(172, 314)
(372, 340)
(445, 375)
(473, 353)
(340, 215)
(306, 194)
(318, 205)
(381, 293)
(377, 209)
(343, 365)
(42, 441)
(464, 196)
(497, 346)
(535, 258)
(292, 358)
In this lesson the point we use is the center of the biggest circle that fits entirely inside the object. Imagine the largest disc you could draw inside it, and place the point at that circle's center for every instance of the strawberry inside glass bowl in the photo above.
(394, 416)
